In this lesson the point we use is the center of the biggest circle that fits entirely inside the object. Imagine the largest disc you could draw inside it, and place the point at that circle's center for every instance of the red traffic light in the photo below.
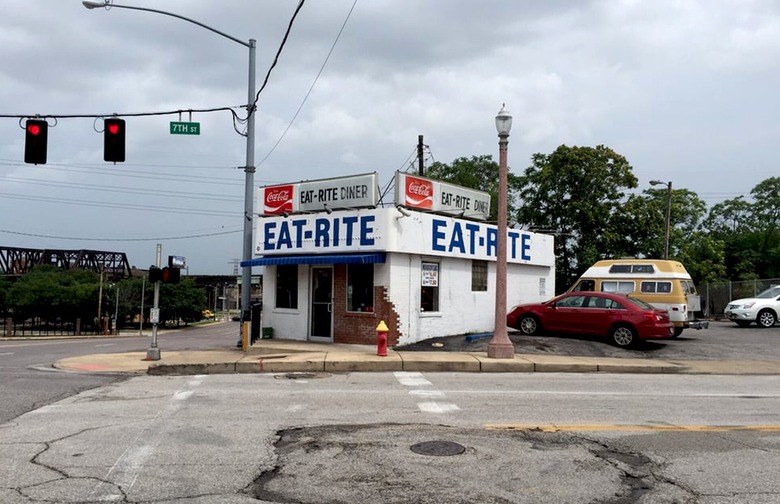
(114, 140)
(36, 133)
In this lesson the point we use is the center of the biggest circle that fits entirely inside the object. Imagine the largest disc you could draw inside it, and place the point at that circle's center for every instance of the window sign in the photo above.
(430, 274)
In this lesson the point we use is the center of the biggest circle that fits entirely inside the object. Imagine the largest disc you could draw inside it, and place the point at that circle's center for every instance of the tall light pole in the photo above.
(668, 212)
(249, 168)
(500, 346)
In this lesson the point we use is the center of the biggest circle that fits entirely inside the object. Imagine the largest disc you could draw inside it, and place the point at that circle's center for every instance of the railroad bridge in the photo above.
(16, 261)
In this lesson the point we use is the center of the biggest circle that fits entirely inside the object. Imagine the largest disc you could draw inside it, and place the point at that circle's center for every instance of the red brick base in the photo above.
(359, 328)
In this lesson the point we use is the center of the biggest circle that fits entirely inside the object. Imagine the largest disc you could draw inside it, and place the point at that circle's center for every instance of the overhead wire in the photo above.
(316, 78)
(236, 119)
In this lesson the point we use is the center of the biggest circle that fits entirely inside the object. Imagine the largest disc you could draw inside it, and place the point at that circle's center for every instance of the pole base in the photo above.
(501, 350)
(153, 354)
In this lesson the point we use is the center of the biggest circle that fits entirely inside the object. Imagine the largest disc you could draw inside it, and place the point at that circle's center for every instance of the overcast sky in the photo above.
(687, 91)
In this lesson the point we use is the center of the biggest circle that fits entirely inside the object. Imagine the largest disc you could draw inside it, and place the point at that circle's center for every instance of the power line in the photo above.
(203, 235)
(316, 78)
(126, 206)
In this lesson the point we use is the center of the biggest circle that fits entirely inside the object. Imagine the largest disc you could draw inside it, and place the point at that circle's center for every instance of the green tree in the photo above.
(577, 193)
(5, 286)
(480, 173)
(50, 293)
(181, 302)
(750, 232)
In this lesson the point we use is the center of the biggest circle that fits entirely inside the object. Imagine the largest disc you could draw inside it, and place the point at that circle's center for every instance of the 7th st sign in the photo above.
(185, 128)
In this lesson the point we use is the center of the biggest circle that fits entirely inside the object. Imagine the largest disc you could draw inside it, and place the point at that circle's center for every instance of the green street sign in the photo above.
(185, 128)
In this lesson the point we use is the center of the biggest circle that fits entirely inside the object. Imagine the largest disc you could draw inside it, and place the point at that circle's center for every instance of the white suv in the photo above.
(763, 309)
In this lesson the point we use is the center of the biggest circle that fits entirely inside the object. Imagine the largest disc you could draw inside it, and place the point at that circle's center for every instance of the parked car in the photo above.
(624, 319)
(762, 309)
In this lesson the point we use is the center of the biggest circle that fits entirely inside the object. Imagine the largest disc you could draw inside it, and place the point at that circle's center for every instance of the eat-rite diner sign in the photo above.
(357, 191)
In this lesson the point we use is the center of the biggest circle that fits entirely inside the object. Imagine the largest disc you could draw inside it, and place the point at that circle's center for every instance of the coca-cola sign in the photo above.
(418, 193)
(278, 199)
(441, 197)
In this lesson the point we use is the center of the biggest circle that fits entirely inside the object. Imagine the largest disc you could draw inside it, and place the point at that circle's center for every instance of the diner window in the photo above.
(479, 275)
(360, 287)
(287, 286)
(429, 290)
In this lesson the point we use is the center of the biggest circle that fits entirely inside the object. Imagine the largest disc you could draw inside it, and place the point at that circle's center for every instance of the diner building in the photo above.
(337, 262)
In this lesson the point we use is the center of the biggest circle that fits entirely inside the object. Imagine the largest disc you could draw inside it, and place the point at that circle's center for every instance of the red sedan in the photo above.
(626, 320)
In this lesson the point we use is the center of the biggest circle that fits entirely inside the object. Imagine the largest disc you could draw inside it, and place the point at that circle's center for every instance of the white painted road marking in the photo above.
(416, 379)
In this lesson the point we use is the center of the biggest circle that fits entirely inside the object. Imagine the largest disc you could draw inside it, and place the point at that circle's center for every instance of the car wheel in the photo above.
(677, 331)
(742, 323)
(624, 336)
(766, 318)
(529, 325)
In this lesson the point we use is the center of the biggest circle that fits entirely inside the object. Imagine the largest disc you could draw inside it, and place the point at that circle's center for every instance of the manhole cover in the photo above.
(300, 376)
(438, 448)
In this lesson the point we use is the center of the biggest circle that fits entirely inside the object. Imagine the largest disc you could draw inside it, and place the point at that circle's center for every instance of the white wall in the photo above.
(461, 311)
(286, 323)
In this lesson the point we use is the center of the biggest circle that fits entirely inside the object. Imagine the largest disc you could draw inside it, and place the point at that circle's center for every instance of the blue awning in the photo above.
(373, 258)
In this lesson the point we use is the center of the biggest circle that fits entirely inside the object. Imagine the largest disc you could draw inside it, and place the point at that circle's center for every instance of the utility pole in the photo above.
(420, 164)
(153, 352)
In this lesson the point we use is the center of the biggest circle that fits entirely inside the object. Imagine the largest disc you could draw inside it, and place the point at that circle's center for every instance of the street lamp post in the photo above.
(668, 212)
(249, 168)
(500, 346)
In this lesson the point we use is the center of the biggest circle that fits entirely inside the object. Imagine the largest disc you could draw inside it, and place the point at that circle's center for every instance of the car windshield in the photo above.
(640, 303)
(770, 293)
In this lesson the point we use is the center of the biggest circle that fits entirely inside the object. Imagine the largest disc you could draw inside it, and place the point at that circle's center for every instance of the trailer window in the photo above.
(617, 286)
(632, 268)
(656, 287)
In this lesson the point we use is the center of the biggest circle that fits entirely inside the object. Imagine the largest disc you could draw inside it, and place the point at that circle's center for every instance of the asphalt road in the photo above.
(27, 380)
(525, 438)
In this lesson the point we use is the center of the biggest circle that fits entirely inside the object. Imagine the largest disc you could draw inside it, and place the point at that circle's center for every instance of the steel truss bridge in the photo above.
(15, 261)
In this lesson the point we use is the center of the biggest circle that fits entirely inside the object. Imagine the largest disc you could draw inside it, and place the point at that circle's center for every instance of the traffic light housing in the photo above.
(171, 275)
(114, 140)
(166, 275)
(155, 274)
(36, 134)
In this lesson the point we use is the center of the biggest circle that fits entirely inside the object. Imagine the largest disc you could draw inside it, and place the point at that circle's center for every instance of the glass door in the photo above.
(321, 313)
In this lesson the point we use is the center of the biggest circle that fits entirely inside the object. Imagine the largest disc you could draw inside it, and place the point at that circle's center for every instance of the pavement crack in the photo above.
(640, 474)
(29, 491)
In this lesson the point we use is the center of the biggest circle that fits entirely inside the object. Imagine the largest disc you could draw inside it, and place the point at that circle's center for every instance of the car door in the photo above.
(595, 315)
(563, 315)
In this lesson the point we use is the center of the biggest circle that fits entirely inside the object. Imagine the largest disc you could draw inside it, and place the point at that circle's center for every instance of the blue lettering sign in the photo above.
(473, 230)
(268, 233)
(321, 233)
(456, 242)
(438, 235)
(366, 229)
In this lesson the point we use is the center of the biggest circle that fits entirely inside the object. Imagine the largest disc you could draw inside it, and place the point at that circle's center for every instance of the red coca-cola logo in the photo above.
(278, 199)
(419, 192)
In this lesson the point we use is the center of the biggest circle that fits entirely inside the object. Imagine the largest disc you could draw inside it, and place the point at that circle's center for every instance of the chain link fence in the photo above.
(715, 296)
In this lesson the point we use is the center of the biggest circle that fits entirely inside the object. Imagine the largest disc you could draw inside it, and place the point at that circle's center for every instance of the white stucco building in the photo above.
(334, 274)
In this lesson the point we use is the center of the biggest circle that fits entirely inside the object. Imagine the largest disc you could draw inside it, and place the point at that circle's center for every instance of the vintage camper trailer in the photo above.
(662, 283)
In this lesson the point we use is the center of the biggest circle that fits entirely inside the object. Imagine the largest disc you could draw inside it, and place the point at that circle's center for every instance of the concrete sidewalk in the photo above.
(285, 356)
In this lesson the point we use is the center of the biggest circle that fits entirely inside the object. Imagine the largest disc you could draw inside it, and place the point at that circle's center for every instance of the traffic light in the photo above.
(36, 132)
(155, 274)
(165, 275)
(171, 275)
(114, 140)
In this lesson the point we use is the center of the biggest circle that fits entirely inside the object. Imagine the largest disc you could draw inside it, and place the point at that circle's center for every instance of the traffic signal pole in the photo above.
(153, 352)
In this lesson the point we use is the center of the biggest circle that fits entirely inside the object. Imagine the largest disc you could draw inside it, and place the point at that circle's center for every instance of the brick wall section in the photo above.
(360, 328)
